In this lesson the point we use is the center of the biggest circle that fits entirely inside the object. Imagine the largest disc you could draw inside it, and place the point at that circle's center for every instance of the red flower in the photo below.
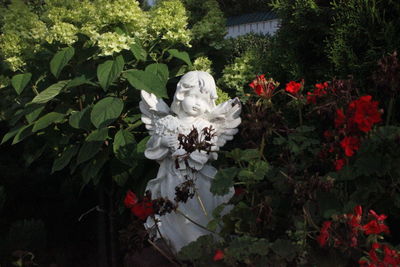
(350, 144)
(219, 255)
(263, 87)
(391, 256)
(143, 209)
(239, 191)
(130, 199)
(293, 87)
(355, 219)
(339, 164)
(381, 217)
(366, 113)
(319, 91)
(375, 227)
(358, 210)
(372, 252)
(324, 234)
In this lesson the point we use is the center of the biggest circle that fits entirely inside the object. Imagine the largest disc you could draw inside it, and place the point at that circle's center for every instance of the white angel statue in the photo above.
(193, 107)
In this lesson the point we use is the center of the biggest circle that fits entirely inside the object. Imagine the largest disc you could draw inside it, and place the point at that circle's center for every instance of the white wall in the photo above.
(264, 27)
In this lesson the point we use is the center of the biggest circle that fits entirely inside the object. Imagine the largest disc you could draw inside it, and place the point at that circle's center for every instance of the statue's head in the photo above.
(195, 94)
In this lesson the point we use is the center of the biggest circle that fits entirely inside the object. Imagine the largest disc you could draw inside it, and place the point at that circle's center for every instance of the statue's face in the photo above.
(195, 103)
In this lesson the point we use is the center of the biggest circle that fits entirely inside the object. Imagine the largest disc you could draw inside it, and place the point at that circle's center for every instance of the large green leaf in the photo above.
(46, 120)
(23, 133)
(80, 80)
(81, 119)
(50, 92)
(139, 52)
(124, 146)
(148, 81)
(65, 157)
(11, 133)
(106, 111)
(33, 112)
(184, 56)
(60, 60)
(19, 81)
(91, 170)
(141, 147)
(109, 71)
(98, 135)
(88, 151)
(161, 70)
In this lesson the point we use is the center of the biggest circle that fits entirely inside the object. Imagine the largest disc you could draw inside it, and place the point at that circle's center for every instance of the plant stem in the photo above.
(300, 117)
(162, 253)
(390, 110)
(199, 225)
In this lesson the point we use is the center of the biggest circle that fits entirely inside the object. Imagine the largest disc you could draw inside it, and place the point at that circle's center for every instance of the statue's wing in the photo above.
(152, 109)
(226, 119)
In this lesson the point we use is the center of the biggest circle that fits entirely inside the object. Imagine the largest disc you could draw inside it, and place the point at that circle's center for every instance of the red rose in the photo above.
(219, 255)
(130, 199)
(293, 87)
(350, 144)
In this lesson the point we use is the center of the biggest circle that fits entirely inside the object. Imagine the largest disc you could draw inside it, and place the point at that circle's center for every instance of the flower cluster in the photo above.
(294, 87)
(24, 30)
(361, 115)
(319, 91)
(263, 87)
(346, 231)
(147, 207)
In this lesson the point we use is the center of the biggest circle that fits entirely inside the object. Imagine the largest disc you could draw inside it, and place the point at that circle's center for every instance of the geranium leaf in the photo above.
(106, 111)
(60, 60)
(223, 181)
(109, 71)
(20, 81)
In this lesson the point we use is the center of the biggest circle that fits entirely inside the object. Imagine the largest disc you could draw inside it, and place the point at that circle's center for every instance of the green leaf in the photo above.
(34, 114)
(60, 60)
(124, 146)
(93, 167)
(161, 70)
(98, 135)
(138, 51)
(223, 181)
(141, 147)
(81, 119)
(88, 151)
(196, 249)
(64, 159)
(148, 81)
(77, 81)
(46, 120)
(106, 111)
(49, 93)
(11, 133)
(23, 133)
(109, 71)
(19, 81)
(184, 56)
(284, 248)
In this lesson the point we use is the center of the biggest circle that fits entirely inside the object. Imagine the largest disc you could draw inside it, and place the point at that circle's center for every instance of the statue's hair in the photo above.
(206, 84)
